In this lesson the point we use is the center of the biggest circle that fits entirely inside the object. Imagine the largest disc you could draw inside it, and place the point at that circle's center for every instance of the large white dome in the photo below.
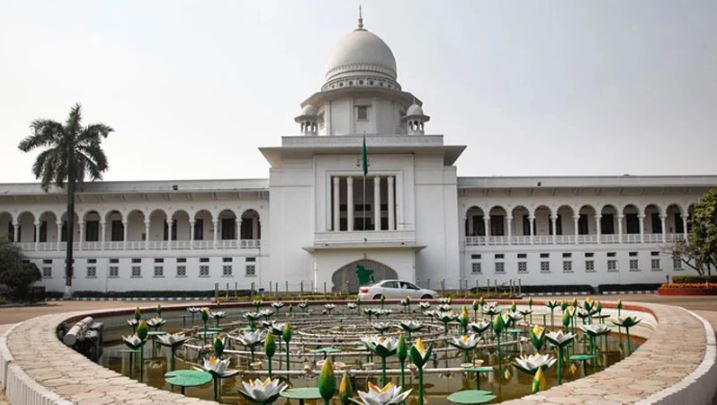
(361, 53)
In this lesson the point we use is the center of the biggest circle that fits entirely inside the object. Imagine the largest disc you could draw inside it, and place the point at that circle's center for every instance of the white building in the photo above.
(316, 217)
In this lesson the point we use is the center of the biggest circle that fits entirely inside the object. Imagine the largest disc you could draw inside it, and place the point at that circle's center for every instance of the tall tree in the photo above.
(70, 153)
(700, 250)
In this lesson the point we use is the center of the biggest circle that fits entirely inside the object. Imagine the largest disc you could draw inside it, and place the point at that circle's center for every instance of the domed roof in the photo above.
(414, 109)
(309, 110)
(361, 53)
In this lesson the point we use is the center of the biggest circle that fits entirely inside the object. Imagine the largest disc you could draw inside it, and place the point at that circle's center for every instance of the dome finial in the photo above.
(360, 20)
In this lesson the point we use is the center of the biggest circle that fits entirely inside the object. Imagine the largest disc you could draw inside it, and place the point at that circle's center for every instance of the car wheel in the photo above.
(377, 296)
(427, 297)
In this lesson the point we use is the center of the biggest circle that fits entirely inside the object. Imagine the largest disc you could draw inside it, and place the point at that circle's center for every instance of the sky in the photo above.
(193, 88)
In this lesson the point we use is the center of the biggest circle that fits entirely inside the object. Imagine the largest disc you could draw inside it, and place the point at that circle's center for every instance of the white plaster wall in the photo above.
(328, 261)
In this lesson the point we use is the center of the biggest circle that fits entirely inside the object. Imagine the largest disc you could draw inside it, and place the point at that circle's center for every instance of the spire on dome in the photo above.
(360, 19)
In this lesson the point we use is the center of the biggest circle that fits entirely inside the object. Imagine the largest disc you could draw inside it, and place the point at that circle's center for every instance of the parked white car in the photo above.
(395, 289)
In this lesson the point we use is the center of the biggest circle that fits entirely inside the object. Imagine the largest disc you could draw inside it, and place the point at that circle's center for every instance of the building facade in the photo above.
(318, 215)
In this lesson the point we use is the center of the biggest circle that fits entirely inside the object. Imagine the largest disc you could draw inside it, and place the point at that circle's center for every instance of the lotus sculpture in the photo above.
(172, 341)
(627, 323)
(420, 354)
(262, 392)
(389, 394)
(560, 340)
(382, 347)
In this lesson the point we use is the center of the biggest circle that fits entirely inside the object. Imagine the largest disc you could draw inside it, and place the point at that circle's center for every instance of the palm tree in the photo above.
(71, 152)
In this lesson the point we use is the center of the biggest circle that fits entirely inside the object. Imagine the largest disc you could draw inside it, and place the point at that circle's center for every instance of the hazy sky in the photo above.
(192, 88)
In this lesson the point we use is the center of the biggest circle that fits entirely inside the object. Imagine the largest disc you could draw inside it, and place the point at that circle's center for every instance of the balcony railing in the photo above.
(343, 237)
(570, 239)
(142, 245)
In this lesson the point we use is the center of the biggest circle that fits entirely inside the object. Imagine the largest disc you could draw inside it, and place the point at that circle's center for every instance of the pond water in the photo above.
(341, 329)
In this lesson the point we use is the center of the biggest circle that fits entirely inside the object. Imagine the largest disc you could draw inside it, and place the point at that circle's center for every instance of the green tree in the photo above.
(70, 153)
(14, 272)
(699, 252)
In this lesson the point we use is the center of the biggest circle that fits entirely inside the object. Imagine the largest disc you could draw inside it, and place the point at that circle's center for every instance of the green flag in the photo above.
(364, 157)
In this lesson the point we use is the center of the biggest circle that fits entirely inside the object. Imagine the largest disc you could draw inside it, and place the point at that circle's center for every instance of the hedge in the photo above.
(628, 287)
(694, 279)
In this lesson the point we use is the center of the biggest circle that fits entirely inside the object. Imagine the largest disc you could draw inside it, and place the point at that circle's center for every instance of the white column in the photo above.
(59, 234)
(169, 232)
(215, 222)
(554, 221)
(125, 231)
(684, 226)
(82, 233)
(255, 228)
(377, 203)
(531, 220)
(37, 234)
(576, 218)
(391, 207)
(102, 233)
(16, 232)
(191, 233)
(350, 203)
(337, 214)
(620, 218)
(486, 225)
(598, 226)
(469, 221)
(509, 220)
(664, 231)
(146, 233)
(237, 232)
(641, 217)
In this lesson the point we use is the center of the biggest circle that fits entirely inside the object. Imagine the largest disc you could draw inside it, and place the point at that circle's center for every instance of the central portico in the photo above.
(339, 216)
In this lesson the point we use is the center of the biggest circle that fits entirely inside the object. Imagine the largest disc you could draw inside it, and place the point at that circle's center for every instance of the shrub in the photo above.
(689, 285)
(628, 287)
(19, 278)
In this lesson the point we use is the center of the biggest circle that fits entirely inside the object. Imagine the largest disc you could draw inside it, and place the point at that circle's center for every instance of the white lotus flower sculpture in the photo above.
(329, 307)
(172, 339)
(531, 363)
(480, 326)
(218, 367)
(351, 305)
(389, 394)
(133, 341)
(424, 305)
(465, 342)
(262, 392)
(381, 327)
(155, 322)
(595, 330)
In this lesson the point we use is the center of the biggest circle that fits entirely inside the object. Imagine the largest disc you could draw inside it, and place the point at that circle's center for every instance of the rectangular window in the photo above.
(114, 261)
(92, 231)
(655, 264)
(634, 265)
(47, 272)
(136, 260)
(632, 223)
(522, 256)
(583, 224)
(116, 231)
(136, 271)
(250, 270)
(362, 112)
(607, 224)
(567, 266)
(499, 256)
(229, 228)
(92, 272)
(612, 265)
(182, 271)
(475, 257)
(251, 259)
(114, 272)
(497, 225)
(91, 261)
(46, 261)
(227, 270)
(544, 255)
(181, 260)
(654, 253)
(567, 255)
(476, 268)
(633, 254)
(204, 260)
(589, 266)
(589, 254)
(159, 271)
(204, 271)
(677, 264)
(500, 267)
(610, 254)
(198, 229)
(227, 259)
(545, 267)
(158, 260)
(522, 267)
